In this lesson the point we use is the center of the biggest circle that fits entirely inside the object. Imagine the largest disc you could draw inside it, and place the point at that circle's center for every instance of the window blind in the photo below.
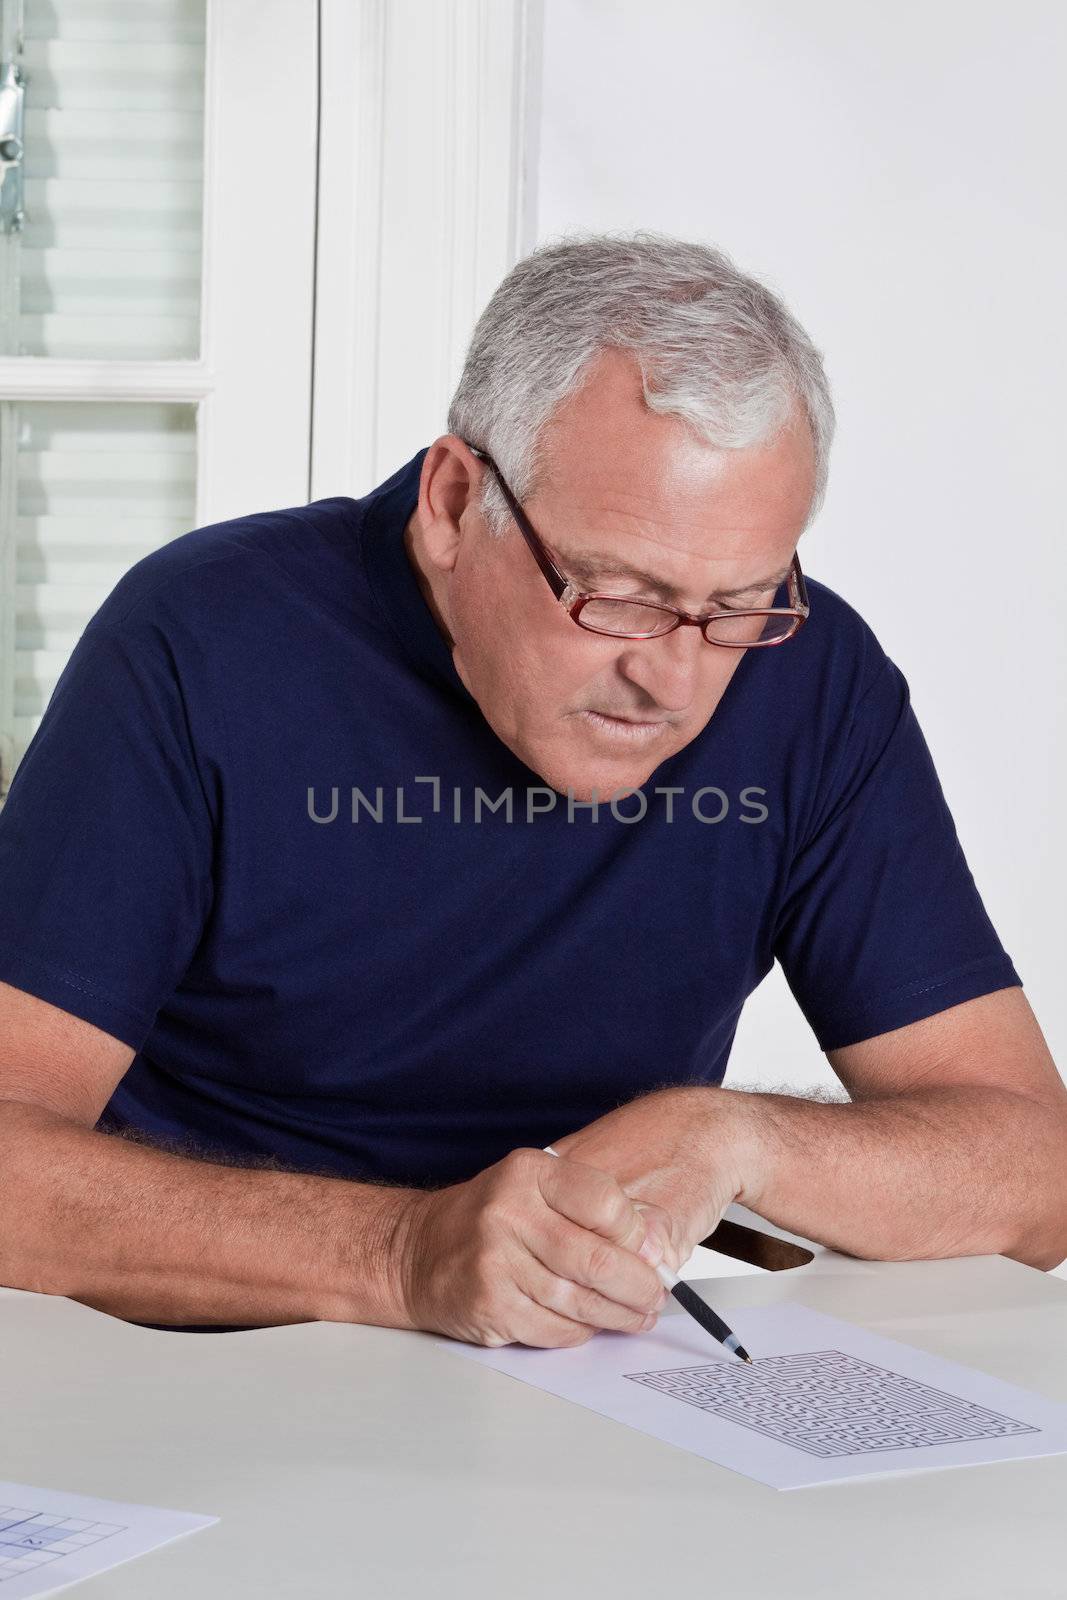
(106, 267)
(109, 253)
(92, 488)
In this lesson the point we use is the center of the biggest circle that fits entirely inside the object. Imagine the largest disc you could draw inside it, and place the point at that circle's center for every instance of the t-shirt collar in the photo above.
(392, 577)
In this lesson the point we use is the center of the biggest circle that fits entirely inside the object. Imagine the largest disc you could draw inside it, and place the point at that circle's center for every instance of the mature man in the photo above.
(370, 845)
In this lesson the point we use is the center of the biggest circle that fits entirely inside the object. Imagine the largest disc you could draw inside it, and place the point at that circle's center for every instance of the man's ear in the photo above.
(449, 484)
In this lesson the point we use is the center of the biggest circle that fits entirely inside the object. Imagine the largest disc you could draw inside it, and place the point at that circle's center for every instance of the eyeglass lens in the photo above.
(647, 621)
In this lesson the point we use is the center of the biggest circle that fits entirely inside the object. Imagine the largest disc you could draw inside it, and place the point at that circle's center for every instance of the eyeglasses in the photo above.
(643, 619)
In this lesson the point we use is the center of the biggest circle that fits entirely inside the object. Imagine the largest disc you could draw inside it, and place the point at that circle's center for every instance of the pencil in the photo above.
(697, 1308)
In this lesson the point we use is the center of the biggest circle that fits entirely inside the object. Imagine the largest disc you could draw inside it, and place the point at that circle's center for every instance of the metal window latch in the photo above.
(11, 132)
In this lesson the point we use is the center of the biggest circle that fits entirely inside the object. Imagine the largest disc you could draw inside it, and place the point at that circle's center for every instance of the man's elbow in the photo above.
(1043, 1247)
(1044, 1259)
(1041, 1239)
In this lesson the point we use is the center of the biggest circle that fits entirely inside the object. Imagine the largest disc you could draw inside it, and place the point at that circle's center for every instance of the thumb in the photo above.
(658, 1243)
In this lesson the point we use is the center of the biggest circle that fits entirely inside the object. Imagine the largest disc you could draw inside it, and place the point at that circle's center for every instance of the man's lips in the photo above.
(643, 722)
(622, 731)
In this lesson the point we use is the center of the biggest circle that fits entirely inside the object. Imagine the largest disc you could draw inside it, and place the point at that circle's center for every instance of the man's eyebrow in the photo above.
(592, 567)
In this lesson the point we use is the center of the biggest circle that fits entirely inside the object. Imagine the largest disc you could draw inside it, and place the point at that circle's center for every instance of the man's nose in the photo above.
(667, 668)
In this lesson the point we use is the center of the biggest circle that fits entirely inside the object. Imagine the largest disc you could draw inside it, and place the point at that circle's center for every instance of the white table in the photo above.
(366, 1462)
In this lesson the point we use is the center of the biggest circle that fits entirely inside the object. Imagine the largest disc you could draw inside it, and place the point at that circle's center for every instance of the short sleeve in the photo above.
(881, 923)
(106, 839)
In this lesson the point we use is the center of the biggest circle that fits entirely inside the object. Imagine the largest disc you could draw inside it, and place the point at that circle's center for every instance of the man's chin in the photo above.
(599, 779)
(584, 770)
(605, 788)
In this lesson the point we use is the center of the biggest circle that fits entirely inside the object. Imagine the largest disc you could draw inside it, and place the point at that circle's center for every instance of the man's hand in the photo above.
(953, 1143)
(532, 1251)
(676, 1150)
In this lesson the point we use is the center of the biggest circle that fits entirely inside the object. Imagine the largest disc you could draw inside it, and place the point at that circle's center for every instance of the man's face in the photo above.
(622, 488)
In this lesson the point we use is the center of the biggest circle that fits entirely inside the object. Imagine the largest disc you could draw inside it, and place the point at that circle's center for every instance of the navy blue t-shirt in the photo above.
(205, 853)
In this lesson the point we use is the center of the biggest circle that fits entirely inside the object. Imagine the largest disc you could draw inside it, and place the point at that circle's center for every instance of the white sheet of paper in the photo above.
(823, 1401)
(49, 1538)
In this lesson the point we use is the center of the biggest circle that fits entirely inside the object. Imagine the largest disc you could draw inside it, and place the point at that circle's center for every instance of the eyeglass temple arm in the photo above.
(556, 580)
(801, 586)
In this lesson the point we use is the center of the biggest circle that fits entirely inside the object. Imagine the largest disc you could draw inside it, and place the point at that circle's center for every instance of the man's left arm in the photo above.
(954, 1142)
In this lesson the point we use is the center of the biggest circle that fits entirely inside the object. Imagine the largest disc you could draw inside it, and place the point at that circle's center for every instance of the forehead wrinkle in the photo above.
(622, 507)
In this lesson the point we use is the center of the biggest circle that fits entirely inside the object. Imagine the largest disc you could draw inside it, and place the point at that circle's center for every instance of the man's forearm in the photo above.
(159, 1238)
(944, 1172)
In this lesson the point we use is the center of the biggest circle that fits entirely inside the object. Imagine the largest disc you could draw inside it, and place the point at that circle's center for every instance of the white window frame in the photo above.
(252, 380)
(260, 142)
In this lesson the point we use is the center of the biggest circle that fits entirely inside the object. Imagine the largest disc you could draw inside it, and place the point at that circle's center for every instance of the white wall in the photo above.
(895, 172)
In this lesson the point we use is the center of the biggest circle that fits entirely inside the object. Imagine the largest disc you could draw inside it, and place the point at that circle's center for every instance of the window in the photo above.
(159, 218)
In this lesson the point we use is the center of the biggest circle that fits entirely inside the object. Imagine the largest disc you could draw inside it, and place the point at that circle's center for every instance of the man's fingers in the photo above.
(581, 1304)
(602, 1234)
(536, 1249)
(590, 1262)
(592, 1199)
(545, 1329)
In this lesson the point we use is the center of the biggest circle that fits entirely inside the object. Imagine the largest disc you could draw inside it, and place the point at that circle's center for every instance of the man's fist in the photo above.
(682, 1149)
(535, 1251)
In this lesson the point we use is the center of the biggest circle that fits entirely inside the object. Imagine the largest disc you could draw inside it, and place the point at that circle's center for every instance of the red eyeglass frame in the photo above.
(573, 600)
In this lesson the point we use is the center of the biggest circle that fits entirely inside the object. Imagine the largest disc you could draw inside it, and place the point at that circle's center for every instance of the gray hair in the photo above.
(714, 346)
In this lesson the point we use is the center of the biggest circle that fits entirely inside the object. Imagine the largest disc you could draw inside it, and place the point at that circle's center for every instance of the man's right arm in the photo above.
(155, 1237)
(532, 1249)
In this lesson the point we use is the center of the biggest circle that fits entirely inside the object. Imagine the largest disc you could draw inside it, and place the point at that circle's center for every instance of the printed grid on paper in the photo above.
(831, 1404)
(30, 1539)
